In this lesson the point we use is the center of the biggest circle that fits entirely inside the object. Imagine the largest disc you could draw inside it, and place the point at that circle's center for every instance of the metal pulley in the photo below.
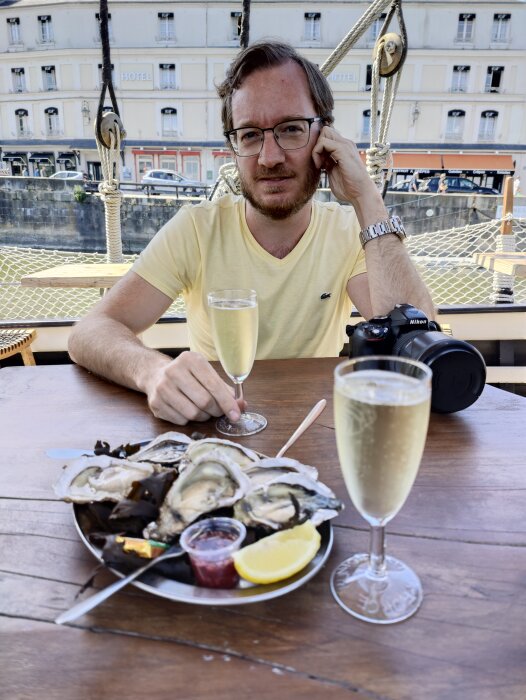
(392, 53)
(110, 123)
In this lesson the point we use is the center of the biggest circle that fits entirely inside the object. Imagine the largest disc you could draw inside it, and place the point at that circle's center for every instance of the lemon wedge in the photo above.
(278, 556)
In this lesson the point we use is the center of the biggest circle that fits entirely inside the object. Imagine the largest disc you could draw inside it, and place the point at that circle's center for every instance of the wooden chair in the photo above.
(17, 340)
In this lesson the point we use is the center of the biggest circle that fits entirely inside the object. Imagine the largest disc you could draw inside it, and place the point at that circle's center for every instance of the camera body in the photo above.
(459, 371)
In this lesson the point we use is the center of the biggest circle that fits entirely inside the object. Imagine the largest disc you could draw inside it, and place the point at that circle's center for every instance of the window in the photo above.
(45, 29)
(455, 124)
(166, 26)
(460, 79)
(312, 26)
(488, 125)
(366, 122)
(51, 119)
(500, 32)
(168, 162)
(169, 121)
(144, 163)
(374, 29)
(369, 77)
(191, 167)
(13, 30)
(236, 19)
(19, 79)
(49, 79)
(167, 72)
(22, 126)
(494, 78)
(465, 27)
(112, 77)
(110, 27)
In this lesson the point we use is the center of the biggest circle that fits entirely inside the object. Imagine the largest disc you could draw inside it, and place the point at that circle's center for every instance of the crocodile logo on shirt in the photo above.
(325, 295)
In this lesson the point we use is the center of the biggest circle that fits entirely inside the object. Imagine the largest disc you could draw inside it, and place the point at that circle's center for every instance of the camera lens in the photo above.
(459, 372)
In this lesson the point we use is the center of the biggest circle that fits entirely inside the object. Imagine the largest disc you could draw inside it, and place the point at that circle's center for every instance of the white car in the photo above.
(70, 175)
(170, 181)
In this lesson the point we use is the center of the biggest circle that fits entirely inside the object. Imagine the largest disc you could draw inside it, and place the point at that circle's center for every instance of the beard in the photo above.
(287, 207)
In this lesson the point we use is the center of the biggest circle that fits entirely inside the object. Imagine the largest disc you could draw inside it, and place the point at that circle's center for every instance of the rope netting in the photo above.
(443, 258)
(19, 303)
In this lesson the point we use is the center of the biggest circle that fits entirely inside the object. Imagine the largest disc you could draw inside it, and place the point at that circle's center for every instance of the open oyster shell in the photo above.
(270, 468)
(242, 456)
(211, 482)
(287, 500)
(167, 448)
(99, 478)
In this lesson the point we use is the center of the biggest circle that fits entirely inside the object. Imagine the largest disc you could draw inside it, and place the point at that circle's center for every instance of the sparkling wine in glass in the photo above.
(381, 407)
(234, 320)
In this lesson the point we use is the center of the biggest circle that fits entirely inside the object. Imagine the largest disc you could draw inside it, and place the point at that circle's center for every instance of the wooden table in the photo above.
(508, 263)
(82, 275)
(462, 529)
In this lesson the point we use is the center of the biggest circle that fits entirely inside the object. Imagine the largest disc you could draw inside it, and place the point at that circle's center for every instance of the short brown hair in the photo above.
(267, 54)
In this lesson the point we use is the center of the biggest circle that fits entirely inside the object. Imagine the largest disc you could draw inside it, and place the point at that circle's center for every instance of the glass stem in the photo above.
(238, 389)
(377, 551)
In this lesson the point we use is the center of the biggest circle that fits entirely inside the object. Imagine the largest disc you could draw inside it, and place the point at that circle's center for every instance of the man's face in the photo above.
(277, 183)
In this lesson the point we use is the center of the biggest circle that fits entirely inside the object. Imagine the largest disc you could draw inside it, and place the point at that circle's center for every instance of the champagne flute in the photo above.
(381, 407)
(234, 319)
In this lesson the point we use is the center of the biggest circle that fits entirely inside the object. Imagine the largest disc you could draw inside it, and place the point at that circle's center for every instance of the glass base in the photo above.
(382, 599)
(248, 424)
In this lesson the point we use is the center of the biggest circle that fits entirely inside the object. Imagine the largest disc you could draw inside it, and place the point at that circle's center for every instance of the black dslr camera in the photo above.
(459, 371)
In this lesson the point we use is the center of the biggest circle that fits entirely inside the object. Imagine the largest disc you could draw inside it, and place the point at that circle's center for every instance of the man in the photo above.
(413, 182)
(303, 258)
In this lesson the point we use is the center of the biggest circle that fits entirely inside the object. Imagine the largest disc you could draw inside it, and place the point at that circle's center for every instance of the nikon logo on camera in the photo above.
(417, 321)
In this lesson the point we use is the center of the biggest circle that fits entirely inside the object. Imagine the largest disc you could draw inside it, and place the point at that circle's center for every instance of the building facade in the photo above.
(459, 108)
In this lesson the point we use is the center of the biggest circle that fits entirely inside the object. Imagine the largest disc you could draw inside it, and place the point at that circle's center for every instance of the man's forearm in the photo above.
(109, 349)
(393, 279)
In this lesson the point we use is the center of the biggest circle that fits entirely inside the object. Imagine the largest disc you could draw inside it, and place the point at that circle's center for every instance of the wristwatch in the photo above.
(392, 225)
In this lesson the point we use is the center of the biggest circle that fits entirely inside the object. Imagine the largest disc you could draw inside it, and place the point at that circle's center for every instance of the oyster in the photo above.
(271, 467)
(99, 478)
(243, 456)
(211, 482)
(287, 500)
(167, 448)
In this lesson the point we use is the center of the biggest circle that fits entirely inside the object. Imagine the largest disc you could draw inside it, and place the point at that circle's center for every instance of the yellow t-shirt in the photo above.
(302, 298)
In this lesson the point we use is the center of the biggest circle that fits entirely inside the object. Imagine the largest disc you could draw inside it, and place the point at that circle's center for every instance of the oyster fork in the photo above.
(86, 605)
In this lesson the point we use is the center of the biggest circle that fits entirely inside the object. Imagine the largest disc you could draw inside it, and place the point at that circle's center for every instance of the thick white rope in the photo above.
(370, 15)
(111, 194)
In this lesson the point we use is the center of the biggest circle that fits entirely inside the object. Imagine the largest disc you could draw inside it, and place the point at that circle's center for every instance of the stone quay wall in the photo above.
(43, 213)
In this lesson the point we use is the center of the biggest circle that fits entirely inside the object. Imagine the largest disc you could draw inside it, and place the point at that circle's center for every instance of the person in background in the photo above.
(25, 171)
(413, 182)
(517, 187)
(36, 171)
(442, 183)
(308, 261)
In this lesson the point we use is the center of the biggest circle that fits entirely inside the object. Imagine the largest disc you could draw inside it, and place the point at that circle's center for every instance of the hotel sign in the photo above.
(137, 76)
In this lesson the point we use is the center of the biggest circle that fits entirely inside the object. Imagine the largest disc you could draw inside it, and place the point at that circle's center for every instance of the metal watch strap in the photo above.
(392, 225)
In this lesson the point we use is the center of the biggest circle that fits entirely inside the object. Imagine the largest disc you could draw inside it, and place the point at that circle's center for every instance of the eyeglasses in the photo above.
(290, 135)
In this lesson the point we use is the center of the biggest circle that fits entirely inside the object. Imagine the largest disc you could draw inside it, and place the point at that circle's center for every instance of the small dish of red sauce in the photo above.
(210, 545)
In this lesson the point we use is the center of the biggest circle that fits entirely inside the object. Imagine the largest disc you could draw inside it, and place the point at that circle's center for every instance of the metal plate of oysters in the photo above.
(210, 475)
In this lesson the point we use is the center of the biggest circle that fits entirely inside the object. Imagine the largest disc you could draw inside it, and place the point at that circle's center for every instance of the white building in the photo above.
(460, 105)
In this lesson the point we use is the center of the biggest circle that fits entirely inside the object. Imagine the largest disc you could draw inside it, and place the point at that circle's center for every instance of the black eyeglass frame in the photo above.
(309, 120)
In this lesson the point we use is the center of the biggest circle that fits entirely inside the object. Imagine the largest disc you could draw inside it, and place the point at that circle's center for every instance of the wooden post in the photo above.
(501, 294)
(507, 205)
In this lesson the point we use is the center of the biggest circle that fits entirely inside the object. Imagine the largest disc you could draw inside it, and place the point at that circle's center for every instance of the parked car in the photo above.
(89, 184)
(456, 184)
(403, 185)
(167, 180)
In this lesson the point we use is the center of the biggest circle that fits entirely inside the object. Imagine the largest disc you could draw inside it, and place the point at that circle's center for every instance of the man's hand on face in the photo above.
(189, 389)
(348, 178)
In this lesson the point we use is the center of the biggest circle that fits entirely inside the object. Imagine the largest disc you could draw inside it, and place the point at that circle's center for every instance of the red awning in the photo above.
(423, 162)
(478, 162)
